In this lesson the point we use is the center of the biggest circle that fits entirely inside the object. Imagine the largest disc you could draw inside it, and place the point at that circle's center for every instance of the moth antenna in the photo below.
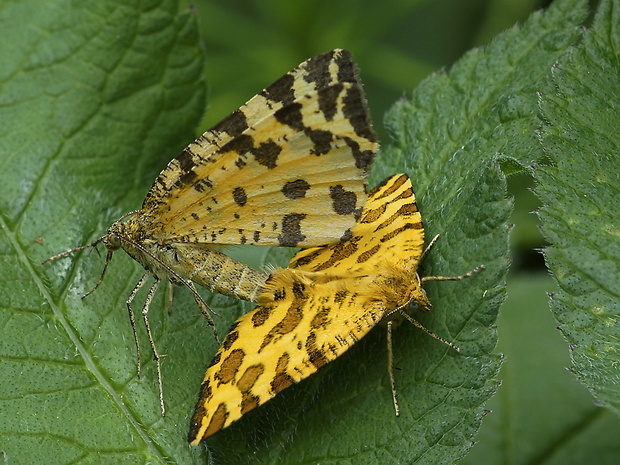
(132, 212)
(71, 251)
(419, 325)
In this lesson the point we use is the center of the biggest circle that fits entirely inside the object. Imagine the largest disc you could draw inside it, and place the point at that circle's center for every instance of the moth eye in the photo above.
(112, 242)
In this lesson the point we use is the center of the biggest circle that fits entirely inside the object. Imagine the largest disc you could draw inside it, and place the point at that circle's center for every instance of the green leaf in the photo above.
(540, 414)
(581, 203)
(485, 107)
(96, 97)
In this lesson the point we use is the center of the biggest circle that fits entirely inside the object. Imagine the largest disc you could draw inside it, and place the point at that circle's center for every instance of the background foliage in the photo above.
(97, 97)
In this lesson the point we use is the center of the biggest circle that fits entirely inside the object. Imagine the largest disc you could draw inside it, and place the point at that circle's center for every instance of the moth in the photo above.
(288, 168)
(313, 311)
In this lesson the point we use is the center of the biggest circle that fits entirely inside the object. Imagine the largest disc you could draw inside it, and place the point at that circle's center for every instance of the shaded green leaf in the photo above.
(581, 203)
(540, 413)
(485, 107)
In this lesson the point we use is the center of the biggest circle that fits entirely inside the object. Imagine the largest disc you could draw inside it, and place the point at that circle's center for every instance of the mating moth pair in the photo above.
(288, 168)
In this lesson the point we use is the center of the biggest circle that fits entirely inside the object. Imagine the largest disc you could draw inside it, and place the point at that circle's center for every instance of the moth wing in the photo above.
(390, 231)
(290, 161)
(279, 344)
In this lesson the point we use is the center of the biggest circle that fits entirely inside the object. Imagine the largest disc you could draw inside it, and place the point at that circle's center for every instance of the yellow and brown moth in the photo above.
(288, 168)
(312, 312)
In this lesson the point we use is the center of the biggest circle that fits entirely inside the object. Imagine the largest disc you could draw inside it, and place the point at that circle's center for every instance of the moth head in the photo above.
(123, 230)
(419, 300)
(112, 239)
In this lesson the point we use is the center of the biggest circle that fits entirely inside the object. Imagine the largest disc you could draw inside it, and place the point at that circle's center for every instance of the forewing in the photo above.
(390, 231)
(279, 344)
(288, 168)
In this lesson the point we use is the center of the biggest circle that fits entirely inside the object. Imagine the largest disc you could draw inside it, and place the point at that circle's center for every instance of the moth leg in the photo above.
(170, 297)
(204, 309)
(108, 257)
(446, 278)
(132, 317)
(390, 353)
(156, 356)
(428, 247)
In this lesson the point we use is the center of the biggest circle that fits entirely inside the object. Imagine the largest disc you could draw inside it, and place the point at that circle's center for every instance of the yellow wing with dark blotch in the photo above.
(389, 231)
(279, 344)
(288, 168)
(313, 311)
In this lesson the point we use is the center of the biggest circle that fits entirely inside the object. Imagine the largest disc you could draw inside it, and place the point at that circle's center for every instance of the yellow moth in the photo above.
(288, 168)
(312, 312)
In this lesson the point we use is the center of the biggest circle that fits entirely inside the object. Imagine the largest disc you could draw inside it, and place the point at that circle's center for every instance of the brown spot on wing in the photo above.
(249, 402)
(357, 114)
(291, 230)
(292, 318)
(305, 260)
(339, 252)
(363, 158)
(240, 145)
(372, 215)
(249, 377)
(321, 140)
(230, 366)
(291, 116)
(239, 196)
(282, 379)
(218, 420)
(234, 124)
(344, 202)
(267, 153)
(315, 354)
(295, 189)
(328, 101)
(321, 318)
(368, 254)
(202, 185)
(200, 412)
(395, 232)
(261, 315)
(281, 90)
(317, 70)
(231, 338)
(347, 71)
